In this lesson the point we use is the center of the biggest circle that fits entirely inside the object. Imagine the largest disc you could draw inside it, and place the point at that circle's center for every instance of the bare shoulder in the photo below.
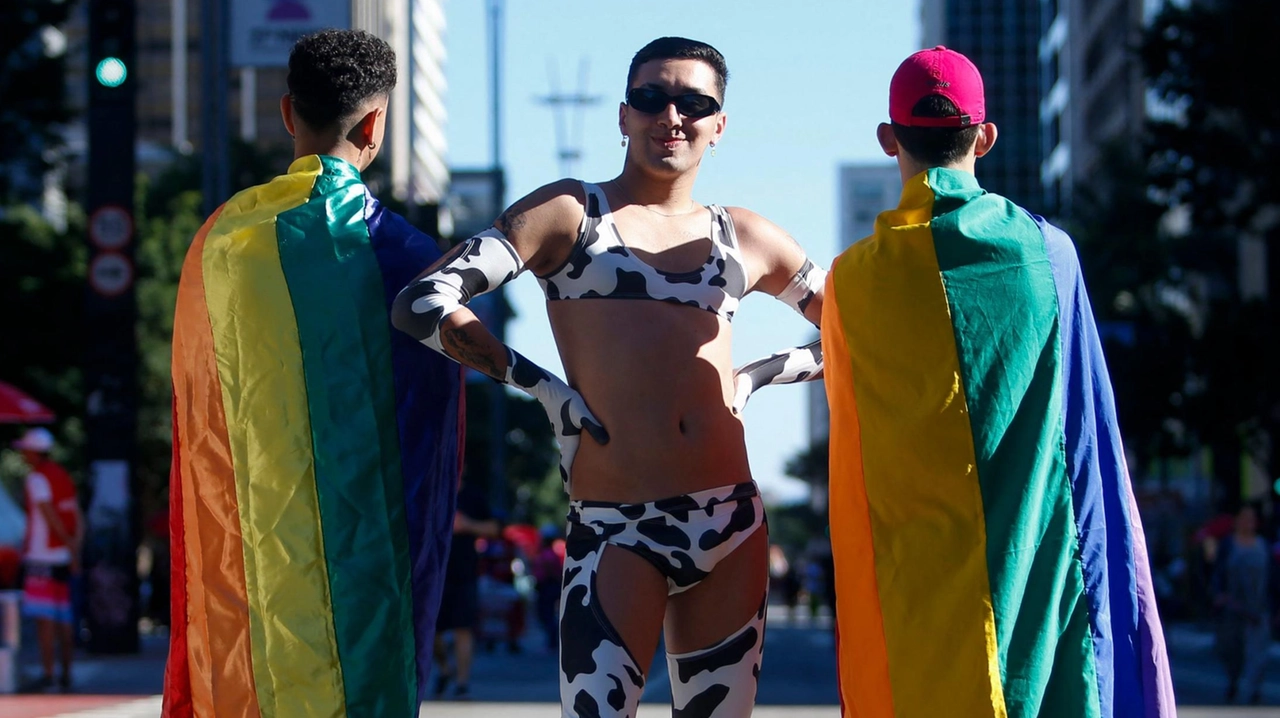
(540, 224)
(772, 255)
(758, 235)
(548, 206)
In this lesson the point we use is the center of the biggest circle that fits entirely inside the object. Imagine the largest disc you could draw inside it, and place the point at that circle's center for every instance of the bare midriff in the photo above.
(659, 376)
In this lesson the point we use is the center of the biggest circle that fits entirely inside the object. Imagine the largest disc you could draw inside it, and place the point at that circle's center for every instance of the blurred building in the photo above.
(415, 127)
(1064, 85)
(168, 75)
(1002, 37)
(864, 191)
(1092, 95)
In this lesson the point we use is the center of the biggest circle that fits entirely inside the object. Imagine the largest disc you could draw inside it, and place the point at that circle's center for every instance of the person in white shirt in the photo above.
(51, 553)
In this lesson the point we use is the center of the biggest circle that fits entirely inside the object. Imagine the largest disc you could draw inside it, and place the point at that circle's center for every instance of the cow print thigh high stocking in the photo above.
(684, 537)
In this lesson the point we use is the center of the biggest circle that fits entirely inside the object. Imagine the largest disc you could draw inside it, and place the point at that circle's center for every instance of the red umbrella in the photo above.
(18, 408)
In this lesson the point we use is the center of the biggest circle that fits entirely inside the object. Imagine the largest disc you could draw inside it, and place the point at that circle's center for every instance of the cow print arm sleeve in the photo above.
(479, 265)
(803, 286)
(565, 407)
(787, 367)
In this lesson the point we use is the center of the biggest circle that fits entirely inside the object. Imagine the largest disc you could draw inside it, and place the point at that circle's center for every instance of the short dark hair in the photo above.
(935, 146)
(680, 48)
(333, 73)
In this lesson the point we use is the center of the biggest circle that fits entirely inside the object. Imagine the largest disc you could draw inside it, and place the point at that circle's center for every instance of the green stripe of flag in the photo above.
(338, 297)
(1003, 303)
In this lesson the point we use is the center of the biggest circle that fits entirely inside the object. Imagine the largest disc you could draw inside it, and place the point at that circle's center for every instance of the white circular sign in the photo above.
(110, 227)
(110, 274)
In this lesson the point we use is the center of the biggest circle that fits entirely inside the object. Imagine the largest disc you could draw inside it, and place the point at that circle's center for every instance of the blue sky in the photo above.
(808, 84)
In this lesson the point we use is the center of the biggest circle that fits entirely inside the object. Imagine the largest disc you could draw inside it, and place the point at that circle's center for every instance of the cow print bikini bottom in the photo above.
(684, 537)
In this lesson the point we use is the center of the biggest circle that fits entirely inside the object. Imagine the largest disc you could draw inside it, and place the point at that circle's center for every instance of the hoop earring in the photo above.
(713, 149)
(624, 141)
(373, 146)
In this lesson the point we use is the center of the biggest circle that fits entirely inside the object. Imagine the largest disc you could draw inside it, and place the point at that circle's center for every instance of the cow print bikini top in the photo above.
(601, 266)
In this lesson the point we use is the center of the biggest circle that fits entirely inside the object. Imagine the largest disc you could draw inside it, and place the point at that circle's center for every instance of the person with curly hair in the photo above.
(315, 450)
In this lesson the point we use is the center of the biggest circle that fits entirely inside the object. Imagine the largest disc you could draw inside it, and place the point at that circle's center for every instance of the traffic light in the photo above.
(111, 43)
(109, 331)
(111, 72)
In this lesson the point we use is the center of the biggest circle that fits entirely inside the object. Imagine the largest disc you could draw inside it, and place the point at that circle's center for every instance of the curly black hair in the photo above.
(333, 73)
(681, 48)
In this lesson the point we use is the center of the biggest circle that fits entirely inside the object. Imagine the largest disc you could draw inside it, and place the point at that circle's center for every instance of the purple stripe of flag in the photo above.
(1099, 485)
(427, 389)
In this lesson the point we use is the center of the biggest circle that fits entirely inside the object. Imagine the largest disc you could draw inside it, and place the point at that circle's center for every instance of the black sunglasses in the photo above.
(690, 104)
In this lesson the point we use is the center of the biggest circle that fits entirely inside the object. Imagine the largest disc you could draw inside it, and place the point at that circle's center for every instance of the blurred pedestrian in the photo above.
(1242, 590)
(316, 450)
(813, 579)
(52, 550)
(502, 606)
(546, 568)
(458, 620)
(784, 581)
(990, 555)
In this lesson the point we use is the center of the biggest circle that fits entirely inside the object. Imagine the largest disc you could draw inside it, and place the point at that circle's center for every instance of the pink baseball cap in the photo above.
(938, 71)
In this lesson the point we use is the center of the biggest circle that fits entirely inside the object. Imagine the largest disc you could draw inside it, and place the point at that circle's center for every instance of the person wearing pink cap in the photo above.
(51, 553)
(989, 556)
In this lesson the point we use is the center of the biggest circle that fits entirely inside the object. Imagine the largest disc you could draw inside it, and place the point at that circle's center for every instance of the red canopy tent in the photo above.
(16, 407)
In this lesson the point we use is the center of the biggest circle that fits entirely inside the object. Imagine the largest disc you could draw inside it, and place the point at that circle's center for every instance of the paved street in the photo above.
(798, 681)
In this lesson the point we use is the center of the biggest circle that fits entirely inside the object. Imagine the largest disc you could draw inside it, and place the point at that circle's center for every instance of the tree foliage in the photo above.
(1141, 300)
(32, 103)
(42, 293)
(1214, 151)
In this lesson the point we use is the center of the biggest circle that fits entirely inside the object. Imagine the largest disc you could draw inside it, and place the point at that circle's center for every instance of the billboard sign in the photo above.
(263, 31)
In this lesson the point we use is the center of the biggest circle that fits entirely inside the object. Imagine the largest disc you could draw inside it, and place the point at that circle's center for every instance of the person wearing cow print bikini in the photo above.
(666, 530)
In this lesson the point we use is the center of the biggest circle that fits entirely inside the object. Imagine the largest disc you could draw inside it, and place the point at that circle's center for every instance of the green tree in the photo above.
(1215, 153)
(32, 102)
(41, 269)
(534, 493)
(794, 526)
(1142, 302)
(164, 233)
(42, 293)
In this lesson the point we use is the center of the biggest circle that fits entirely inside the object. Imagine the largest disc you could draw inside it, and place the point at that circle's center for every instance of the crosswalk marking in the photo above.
(144, 708)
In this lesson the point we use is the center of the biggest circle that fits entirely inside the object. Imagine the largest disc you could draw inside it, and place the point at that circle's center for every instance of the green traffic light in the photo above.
(111, 72)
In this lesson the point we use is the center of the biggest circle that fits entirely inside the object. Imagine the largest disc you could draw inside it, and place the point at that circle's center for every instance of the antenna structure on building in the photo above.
(568, 130)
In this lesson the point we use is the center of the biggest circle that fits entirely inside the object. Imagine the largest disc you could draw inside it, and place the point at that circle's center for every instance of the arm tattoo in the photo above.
(510, 221)
(470, 352)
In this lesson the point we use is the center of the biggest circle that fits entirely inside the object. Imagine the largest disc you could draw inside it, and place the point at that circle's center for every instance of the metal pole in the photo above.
(223, 91)
(498, 429)
(214, 133)
(248, 104)
(495, 63)
(179, 75)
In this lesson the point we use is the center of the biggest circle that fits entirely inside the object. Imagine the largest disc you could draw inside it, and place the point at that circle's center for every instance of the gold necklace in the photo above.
(627, 195)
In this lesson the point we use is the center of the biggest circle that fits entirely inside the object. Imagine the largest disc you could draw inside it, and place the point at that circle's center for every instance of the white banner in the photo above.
(264, 31)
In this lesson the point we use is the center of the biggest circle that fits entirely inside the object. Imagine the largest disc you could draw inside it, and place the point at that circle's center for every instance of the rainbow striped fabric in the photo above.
(316, 458)
(989, 556)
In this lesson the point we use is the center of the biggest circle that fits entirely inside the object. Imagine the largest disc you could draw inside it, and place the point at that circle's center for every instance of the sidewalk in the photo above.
(150, 708)
(129, 674)
(128, 686)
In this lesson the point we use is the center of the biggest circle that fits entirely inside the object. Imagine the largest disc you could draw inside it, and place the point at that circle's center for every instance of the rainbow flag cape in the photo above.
(989, 556)
(315, 459)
